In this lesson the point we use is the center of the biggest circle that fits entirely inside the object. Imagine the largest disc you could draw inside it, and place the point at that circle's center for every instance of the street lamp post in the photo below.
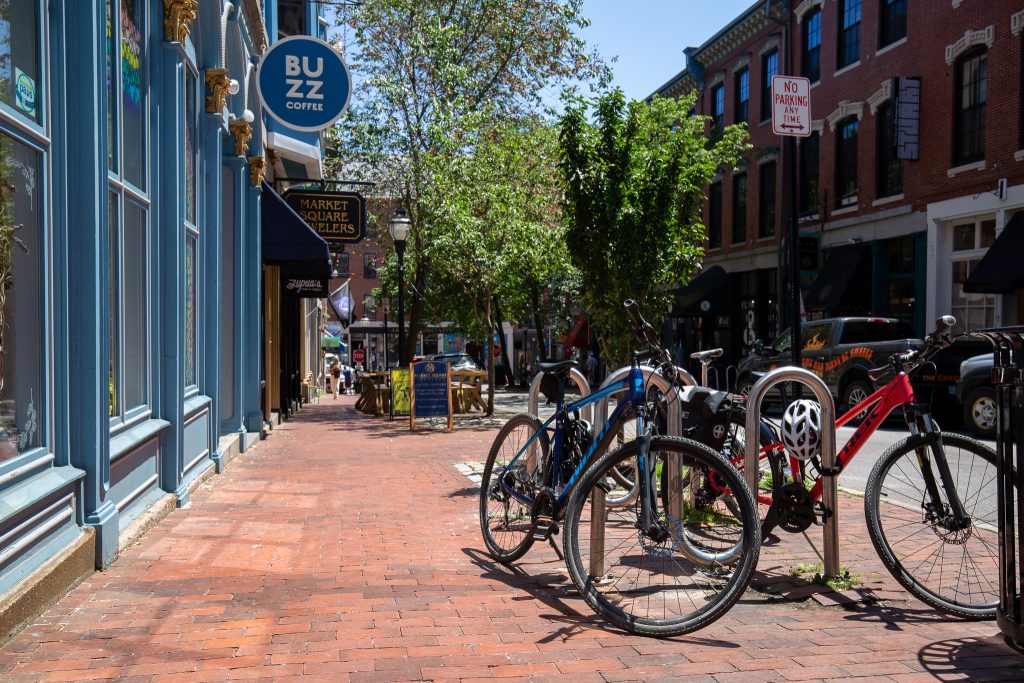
(399, 229)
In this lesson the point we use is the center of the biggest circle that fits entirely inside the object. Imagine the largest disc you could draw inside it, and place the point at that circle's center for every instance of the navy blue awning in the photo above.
(286, 237)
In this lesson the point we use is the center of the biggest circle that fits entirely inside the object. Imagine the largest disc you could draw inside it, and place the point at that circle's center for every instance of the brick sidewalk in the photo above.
(346, 548)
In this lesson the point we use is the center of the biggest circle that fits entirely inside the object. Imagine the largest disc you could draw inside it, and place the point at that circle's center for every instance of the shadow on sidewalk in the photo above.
(977, 659)
(553, 589)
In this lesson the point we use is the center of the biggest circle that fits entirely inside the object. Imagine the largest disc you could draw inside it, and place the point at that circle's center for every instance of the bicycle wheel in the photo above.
(771, 464)
(953, 570)
(674, 585)
(505, 521)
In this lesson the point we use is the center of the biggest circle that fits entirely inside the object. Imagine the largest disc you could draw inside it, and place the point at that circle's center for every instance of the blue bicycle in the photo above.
(661, 558)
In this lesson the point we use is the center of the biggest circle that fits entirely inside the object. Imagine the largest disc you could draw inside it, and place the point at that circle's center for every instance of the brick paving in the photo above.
(344, 548)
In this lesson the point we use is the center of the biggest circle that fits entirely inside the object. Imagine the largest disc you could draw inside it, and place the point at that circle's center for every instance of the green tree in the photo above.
(498, 239)
(634, 178)
(430, 76)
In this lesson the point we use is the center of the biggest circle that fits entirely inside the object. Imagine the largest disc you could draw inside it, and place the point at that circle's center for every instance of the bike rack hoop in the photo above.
(829, 495)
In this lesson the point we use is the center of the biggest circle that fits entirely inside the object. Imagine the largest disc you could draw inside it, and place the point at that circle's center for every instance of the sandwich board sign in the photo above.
(791, 106)
(430, 390)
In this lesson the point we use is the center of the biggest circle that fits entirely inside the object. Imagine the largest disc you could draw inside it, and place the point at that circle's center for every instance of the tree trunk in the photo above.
(541, 355)
(498, 320)
(490, 363)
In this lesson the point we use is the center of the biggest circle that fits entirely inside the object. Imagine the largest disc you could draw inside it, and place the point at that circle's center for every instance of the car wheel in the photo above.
(980, 412)
(855, 392)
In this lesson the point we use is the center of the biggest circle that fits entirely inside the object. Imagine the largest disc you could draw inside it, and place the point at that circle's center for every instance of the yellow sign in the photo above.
(338, 217)
(401, 402)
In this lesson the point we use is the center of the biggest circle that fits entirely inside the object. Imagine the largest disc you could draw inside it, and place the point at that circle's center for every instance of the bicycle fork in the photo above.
(957, 518)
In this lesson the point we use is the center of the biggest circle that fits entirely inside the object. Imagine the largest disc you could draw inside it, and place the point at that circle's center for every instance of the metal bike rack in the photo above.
(829, 494)
(574, 374)
(675, 502)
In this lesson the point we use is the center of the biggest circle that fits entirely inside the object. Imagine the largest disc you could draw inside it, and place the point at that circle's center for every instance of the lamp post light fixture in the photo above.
(399, 229)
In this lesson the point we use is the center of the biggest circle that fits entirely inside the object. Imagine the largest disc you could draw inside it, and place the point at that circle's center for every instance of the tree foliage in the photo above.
(634, 179)
(431, 77)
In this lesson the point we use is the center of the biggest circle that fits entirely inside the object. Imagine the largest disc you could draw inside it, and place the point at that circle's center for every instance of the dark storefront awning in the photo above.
(706, 294)
(1001, 270)
(302, 254)
(837, 285)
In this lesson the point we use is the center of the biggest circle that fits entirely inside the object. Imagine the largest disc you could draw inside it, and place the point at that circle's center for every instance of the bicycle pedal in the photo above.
(544, 528)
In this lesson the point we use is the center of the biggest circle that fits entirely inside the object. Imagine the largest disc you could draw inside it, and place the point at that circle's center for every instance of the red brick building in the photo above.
(917, 119)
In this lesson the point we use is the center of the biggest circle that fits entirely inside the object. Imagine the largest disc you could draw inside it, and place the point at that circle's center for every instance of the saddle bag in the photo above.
(704, 414)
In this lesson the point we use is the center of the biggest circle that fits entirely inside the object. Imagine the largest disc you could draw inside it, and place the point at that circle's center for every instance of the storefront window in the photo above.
(190, 310)
(21, 323)
(128, 206)
(133, 94)
(970, 241)
(190, 146)
(20, 86)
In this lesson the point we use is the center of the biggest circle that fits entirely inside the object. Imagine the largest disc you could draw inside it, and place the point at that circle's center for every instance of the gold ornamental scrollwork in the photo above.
(178, 14)
(242, 131)
(217, 83)
(257, 170)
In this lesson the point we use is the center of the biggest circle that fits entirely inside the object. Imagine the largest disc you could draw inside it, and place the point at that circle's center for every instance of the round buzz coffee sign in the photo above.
(304, 83)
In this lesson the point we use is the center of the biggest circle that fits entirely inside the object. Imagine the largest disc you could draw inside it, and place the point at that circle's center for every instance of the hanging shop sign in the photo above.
(338, 217)
(305, 279)
(430, 391)
(304, 83)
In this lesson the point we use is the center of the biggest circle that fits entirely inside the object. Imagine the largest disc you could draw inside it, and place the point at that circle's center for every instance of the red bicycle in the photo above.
(929, 501)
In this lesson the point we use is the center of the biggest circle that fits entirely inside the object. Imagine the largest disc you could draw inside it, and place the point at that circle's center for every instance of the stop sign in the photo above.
(358, 356)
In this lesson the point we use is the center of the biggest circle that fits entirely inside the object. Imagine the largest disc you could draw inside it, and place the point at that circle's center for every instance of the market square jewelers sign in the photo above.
(338, 217)
(431, 394)
(304, 83)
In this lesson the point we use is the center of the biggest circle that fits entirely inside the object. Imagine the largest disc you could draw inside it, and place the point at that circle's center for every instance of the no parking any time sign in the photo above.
(791, 106)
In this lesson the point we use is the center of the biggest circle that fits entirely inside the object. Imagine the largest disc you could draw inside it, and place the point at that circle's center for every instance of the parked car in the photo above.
(458, 361)
(838, 350)
(978, 395)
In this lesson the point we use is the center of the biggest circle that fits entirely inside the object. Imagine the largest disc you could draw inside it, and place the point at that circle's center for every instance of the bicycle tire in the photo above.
(894, 509)
(772, 465)
(716, 588)
(512, 537)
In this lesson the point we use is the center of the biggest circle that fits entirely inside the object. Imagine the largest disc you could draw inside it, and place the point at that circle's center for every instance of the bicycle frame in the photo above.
(635, 395)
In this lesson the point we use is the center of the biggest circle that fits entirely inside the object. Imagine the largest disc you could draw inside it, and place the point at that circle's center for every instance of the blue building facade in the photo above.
(133, 361)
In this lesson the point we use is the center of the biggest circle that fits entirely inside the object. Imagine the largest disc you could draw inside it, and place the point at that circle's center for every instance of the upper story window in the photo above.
(812, 46)
(846, 162)
(742, 90)
(971, 96)
(341, 264)
(370, 266)
(718, 108)
(892, 24)
(739, 208)
(889, 173)
(809, 188)
(715, 215)
(766, 203)
(20, 84)
(291, 18)
(769, 69)
(849, 32)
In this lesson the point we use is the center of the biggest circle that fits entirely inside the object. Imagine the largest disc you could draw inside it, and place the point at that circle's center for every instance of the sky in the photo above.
(649, 36)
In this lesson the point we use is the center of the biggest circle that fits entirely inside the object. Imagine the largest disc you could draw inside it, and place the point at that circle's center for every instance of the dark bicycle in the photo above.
(658, 561)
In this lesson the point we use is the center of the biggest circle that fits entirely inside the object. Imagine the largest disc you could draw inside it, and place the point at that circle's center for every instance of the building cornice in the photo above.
(805, 7)
(845, 109)
(883, 94)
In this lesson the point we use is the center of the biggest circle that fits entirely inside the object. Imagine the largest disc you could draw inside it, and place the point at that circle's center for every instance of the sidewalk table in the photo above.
(466, 390)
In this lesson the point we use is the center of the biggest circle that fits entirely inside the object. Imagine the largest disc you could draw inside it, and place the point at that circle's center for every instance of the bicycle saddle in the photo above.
(705, 356)
(560, 368)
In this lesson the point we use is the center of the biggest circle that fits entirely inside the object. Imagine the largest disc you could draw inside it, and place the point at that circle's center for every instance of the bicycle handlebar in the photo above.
(908, 361)
(646, 334)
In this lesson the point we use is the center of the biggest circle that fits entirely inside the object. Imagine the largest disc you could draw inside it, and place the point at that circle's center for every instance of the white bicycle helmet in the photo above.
(801, 429)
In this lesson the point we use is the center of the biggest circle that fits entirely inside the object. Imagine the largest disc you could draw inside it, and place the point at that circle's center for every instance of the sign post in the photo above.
(791, 118)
